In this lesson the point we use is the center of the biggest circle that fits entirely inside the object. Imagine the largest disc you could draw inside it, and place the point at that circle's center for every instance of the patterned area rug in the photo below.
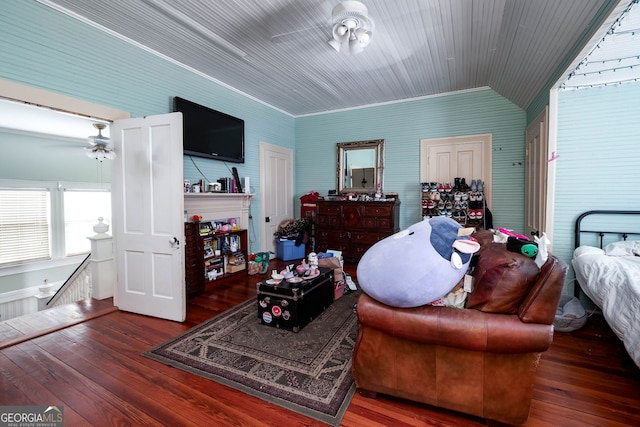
(308, 372)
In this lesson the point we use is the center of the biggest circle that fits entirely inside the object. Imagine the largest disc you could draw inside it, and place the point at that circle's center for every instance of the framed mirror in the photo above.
(360, 166)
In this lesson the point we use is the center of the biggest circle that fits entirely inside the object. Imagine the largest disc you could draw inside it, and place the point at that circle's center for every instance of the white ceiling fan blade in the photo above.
(283, 37)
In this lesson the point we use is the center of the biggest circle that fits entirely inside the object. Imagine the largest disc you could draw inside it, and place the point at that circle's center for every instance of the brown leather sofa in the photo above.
(482, 360)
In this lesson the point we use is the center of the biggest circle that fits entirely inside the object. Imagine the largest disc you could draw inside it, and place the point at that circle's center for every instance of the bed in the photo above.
(606, 262)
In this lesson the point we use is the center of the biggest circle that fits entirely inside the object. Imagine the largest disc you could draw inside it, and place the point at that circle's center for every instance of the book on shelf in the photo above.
(210, 245)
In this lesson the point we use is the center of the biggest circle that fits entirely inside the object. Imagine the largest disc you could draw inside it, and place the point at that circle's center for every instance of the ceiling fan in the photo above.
(350, 22)
(100, 147)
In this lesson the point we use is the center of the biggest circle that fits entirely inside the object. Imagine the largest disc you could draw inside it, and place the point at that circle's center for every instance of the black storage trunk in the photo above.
(292, 306)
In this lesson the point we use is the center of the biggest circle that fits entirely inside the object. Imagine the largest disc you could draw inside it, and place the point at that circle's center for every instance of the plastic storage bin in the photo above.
(287, 250)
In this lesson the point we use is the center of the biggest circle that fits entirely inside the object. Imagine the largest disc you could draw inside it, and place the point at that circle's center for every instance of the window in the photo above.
(24, 225)
(81, 212)
(42, 221)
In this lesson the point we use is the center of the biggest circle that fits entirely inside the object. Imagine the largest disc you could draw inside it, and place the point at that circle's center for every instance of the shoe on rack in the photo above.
(456, 184)
(463, 185)
(441, 187)
(472, 197)
(472, 214)
(479, 214)
(479, 196)
(474, 185)
(447, 187)
(480, 186)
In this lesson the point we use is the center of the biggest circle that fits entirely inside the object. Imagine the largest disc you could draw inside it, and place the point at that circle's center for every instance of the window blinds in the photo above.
(24, 225)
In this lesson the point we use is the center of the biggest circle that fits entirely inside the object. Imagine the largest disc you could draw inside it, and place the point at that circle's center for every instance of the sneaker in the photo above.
(480, 186)
(474, 185)
(447, 187)
(472, 214)
(479, 214)
(472, 197)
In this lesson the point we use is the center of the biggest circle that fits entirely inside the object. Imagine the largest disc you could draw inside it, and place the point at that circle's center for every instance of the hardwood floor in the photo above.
(95, 371)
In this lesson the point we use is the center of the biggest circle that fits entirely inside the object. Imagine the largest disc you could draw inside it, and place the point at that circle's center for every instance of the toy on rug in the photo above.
(418, 265)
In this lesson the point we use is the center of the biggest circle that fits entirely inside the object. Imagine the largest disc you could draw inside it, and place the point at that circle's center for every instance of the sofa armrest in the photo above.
(453, 327)
(541, 303)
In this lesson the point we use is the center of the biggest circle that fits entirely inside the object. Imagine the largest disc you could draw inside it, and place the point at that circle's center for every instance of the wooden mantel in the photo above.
(218, 206)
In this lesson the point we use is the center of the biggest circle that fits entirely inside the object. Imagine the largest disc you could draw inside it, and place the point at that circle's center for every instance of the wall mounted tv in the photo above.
(209, 133)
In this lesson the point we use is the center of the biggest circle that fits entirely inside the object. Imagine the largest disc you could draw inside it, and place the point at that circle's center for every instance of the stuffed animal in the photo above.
(418, 265)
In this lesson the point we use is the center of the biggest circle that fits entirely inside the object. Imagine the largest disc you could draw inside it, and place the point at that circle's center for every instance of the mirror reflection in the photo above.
(360, 166)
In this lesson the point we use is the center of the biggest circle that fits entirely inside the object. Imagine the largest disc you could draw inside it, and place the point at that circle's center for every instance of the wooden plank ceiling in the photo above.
(277, 52)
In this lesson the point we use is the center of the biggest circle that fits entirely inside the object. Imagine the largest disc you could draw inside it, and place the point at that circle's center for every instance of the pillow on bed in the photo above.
(587, 250)
(625, 248)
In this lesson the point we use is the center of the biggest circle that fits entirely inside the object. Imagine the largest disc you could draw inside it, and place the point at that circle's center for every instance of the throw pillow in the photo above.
(502, 279)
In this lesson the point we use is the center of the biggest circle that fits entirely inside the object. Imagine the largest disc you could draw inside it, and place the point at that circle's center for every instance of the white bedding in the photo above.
(613, 284)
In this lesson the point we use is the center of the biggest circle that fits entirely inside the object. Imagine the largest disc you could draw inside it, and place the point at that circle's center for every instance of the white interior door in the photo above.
(148, 221)
(536, 175)
(442, 160)
(276, 191)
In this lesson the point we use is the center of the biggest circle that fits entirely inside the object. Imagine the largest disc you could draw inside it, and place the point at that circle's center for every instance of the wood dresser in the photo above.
(353, 227)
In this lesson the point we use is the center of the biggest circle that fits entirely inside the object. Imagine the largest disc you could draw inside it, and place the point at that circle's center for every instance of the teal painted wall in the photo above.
(32, 156)
(402, 126)
(598, 134)
(44, 48)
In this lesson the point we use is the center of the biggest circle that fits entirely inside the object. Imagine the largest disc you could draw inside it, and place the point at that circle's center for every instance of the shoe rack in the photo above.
(458, 200)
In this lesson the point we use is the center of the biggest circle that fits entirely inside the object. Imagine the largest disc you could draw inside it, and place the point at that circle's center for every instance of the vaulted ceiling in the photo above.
(277, 52)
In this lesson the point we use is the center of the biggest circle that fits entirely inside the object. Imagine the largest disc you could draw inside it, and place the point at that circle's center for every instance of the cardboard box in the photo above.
(231, 268)
(287, 250)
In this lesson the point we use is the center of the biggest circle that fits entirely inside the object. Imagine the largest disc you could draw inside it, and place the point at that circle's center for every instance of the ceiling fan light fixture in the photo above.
(100, 148)
(351, 23)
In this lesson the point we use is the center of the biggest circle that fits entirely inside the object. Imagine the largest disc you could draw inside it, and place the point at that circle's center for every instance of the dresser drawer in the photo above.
(373, 223)
(377, 211)
(328, 221)
(326, 209)
(368, 238)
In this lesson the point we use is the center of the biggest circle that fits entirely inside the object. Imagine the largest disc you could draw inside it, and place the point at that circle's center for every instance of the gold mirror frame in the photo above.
(372, 174)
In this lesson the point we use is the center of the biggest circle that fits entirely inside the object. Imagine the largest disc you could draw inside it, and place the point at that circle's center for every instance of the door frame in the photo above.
(264, 186)
(539, 124)
(486, 140)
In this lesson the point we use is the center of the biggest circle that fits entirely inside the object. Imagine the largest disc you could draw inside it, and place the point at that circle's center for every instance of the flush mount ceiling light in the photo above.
(100, 148)
(351, 23)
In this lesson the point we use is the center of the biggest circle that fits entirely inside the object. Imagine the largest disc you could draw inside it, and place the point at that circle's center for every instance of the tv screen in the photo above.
(209, 133)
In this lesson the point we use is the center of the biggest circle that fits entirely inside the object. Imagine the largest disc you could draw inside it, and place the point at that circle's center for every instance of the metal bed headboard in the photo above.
(578, 231)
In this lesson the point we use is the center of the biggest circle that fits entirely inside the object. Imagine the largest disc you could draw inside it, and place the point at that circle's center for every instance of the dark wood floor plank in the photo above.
(96, 371)
(94, 404)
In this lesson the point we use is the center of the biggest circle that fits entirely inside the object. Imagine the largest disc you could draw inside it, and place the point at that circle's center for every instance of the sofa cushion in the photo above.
(502, 279)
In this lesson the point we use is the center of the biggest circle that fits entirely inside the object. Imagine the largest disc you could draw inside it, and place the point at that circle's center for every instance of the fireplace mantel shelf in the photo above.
(218, 206)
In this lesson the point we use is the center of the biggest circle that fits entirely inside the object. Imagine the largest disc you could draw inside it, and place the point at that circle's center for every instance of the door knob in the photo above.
(174, 241)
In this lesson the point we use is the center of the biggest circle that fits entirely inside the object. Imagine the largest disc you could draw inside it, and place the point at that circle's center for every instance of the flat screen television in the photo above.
(209, 133)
